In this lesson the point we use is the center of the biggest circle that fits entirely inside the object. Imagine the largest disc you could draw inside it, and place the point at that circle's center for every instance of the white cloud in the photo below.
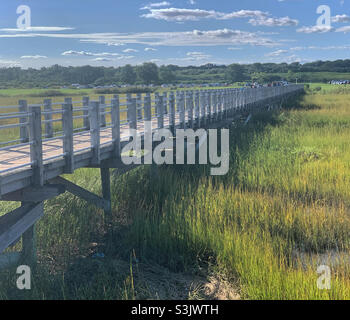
(274, 22)
(156, 5)
(180, 14)
(102, 59)
(345, 29)
(89, 54)
(276, 53)
(130, 50)
(316, 29)
(34, 57)
(227, 37)
(196, 56)
(343, 18)
(9, 63)
(38, 29)
(150, 49)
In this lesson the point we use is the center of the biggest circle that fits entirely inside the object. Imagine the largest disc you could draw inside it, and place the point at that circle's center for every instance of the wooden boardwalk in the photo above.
(31, 166)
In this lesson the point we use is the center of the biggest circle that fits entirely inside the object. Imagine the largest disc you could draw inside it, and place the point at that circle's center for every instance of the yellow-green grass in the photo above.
(284, 202)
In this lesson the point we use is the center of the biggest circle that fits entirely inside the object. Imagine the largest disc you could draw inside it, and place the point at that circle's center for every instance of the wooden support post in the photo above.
(86, 101)
(48, 118)
(36, 147)
(115, 114)
(68, 141)
(29, 253)
(94, 116)
(82, 193)
(36, 154)
(106, 191)
(102, 101)
(23, 108)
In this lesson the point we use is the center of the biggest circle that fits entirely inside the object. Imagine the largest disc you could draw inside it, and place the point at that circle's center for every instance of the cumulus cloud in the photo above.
(258, 18)
(180, 14)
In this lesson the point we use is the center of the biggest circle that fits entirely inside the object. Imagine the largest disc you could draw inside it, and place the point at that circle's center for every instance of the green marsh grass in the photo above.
(284, 203)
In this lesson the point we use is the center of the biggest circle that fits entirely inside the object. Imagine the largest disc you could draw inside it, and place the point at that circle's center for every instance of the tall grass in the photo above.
(266, 225)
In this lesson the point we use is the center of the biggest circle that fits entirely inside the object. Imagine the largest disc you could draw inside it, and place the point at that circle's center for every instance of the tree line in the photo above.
(150, 73)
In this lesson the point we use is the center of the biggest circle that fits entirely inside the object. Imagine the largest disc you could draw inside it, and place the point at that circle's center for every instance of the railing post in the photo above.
(86, 112)
(160, 111)
(139, 106)
(203, 111)
(95, 121)
(102, 101)
(209, 106)
(68, 146)
(189, 106)
(165, 103)
(181, 106)
(221, 103)
(36, 147)
(132, 115)
(197, 109)
(48, 118)
(115, 113)
(148, 107)
(23, 108)
(172, 112)
(215, 104)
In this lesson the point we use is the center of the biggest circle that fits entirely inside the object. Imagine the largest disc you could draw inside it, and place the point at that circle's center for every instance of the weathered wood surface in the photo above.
(94, 146)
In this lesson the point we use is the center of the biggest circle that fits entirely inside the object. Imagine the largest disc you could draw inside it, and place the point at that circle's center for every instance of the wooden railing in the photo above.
(41, 124)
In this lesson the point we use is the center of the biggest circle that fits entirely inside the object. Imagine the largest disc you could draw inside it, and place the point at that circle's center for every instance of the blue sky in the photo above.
(183, 32)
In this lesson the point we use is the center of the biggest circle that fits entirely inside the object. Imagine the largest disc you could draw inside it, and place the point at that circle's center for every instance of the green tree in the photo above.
(166, 75)
(148, 73)
(235, 73)
(128, 74)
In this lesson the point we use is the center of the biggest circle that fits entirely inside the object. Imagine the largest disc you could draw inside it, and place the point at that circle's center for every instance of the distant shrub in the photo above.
(318, 89)
(125, 90)
(48, 93)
